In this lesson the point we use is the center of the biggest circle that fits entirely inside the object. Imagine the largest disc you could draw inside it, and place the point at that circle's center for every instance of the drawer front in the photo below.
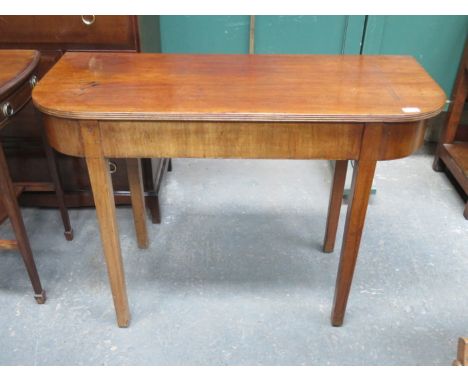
(12, 104)
(69, 32)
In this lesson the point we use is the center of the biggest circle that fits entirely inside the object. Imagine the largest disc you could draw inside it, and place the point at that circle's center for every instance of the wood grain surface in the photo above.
(15, 66)
(301, 88)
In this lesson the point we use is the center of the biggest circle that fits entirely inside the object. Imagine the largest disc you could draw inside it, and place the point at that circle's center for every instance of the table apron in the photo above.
(254, 140)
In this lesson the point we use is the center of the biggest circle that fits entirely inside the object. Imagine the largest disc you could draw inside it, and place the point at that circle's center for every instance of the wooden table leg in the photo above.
(462, 353)
(11, 206)
(336, 199)
(54, 173)
(101, 184)
(361, 186)
(138, 201)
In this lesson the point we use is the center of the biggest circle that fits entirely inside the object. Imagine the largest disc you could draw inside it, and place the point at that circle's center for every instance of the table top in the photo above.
(15, 67)
(302, 88)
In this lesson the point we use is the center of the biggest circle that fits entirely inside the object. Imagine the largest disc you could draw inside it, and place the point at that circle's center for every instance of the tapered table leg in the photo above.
(361, 187)
(360, 191)
(101, 184)
(336, 198)
(138, 201)
(11, 206)
(54, 173)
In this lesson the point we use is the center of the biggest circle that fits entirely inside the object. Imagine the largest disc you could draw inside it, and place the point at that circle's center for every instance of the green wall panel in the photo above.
(308, 34)
(205, 34)
(435, 41)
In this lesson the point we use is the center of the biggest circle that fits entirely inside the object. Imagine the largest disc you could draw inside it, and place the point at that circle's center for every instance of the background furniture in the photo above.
(451, 153)
(16, 81)
(26, 156)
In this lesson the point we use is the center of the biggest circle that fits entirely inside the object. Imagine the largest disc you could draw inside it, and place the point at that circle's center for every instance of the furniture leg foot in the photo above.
(169, 165)
(437, 165)
(465, 212)
(41, 297)
(336, 198)
(68, 235)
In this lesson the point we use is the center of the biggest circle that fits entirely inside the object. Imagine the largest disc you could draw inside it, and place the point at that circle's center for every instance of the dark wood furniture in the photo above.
(27, 158)
(17, 77)
(361, 108)
(452, 154)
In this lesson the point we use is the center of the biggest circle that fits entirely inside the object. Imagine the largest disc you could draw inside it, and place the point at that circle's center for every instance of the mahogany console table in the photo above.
(123, 105)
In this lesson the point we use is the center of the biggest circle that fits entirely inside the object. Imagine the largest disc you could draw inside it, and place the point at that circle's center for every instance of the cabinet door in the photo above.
(435, 41)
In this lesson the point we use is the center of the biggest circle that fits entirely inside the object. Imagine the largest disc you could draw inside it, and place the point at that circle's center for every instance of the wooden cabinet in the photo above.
(53, 35)
(451, 153)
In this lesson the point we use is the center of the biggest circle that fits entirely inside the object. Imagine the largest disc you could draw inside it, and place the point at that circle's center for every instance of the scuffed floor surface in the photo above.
(235, 276)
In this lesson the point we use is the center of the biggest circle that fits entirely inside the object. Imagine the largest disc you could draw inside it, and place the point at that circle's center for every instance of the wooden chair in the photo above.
(452, 155)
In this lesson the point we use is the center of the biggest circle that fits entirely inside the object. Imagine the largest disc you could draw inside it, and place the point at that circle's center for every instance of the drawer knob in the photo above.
(88, 20)
(33, 81)
(7, 109)
(112, 167)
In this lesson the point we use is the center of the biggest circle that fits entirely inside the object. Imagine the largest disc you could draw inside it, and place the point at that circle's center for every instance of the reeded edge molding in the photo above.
(237, 117)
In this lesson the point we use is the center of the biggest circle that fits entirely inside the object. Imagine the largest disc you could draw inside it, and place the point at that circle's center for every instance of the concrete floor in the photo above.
(235, 276)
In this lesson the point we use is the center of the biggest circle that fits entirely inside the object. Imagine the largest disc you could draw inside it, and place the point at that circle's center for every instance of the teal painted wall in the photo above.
(436, 41)
(308, 34)
(205, 34)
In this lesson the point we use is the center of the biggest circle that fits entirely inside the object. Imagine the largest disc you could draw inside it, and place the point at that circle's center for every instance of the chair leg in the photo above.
(53, 169)
(336, 198)
(465, 212)
(11, 206)
(169, 165)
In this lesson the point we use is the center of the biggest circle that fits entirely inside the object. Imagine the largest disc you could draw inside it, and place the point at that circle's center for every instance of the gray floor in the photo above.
(235, 275)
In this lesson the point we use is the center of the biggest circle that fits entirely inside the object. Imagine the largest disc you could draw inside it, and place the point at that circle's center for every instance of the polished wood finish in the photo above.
(262, 88)
(69, 32)
(53, 35)
(17, 66)
(336, 197)
(452, 154)
(135, 180)
(286, 107)
(16, 71)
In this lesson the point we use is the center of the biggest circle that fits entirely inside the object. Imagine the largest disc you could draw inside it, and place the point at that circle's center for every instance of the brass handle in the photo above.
(88, 20)
(33, 81)
(7, 109)
(112, 167)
